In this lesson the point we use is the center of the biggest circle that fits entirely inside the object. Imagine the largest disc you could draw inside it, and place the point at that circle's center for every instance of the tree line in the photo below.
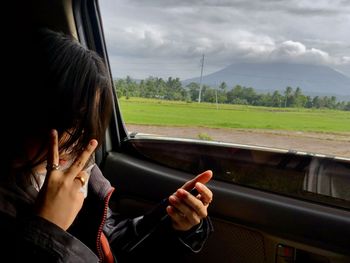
(172, 89)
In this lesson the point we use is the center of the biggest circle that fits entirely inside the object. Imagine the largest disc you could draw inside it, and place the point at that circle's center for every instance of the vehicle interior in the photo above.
(270, 205)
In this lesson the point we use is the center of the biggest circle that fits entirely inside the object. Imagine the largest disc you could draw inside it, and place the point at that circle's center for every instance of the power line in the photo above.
(200, 81)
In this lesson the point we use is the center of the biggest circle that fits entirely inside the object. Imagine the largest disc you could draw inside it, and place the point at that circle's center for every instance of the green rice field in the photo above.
(178, 113)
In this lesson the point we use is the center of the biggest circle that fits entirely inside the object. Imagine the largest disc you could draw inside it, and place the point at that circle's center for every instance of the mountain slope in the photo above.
(312, 79)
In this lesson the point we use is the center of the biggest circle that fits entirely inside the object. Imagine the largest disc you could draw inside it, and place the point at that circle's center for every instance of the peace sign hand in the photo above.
(60, 198)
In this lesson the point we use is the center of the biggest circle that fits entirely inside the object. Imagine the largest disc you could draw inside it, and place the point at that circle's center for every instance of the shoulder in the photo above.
(98, 184)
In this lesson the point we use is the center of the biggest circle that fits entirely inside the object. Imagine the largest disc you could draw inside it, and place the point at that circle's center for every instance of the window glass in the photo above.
(265, 73)
(314, 178)
(263, 85)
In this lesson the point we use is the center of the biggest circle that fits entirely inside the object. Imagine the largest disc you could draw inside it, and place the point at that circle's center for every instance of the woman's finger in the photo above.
(53, 158)
(82, 159)
(81, 180)
(186, 202)
(206, 195)
(203, 178)
(181, 207)
(187, 211)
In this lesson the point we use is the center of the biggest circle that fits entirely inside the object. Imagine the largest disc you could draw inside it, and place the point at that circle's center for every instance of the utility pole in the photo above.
(200, 80)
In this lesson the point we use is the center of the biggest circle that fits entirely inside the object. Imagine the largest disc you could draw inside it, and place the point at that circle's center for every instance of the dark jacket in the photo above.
(95, 232)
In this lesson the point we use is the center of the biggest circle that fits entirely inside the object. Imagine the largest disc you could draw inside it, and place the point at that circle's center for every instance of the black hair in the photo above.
(63, 86)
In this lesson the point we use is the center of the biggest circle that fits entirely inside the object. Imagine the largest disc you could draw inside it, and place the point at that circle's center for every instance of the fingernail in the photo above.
(93, 143)
(172, 200)
(181, 192)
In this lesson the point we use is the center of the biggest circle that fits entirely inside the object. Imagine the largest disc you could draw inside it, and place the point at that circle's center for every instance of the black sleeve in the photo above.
(39, 240)
(151, 236)
(196, 237)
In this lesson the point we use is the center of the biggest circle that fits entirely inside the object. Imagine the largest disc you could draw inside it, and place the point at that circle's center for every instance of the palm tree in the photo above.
(287, 94)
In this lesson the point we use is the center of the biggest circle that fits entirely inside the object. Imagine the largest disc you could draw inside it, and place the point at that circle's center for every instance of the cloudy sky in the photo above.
(168, 37)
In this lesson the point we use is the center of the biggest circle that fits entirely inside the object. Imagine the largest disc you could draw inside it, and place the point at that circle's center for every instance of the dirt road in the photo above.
(323, 143)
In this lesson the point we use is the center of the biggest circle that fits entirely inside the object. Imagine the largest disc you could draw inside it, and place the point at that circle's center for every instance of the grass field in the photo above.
(175, 113)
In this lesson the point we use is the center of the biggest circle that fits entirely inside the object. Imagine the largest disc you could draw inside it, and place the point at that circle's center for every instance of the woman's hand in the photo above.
(60, 198)
(186, 210)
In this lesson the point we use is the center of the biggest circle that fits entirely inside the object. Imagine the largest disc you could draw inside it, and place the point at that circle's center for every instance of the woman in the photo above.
(58, 117)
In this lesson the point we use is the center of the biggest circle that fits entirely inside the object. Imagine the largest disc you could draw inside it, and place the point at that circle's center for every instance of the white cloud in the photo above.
(345, 60)
(163, 33)
(290, 48)
(296, 52)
